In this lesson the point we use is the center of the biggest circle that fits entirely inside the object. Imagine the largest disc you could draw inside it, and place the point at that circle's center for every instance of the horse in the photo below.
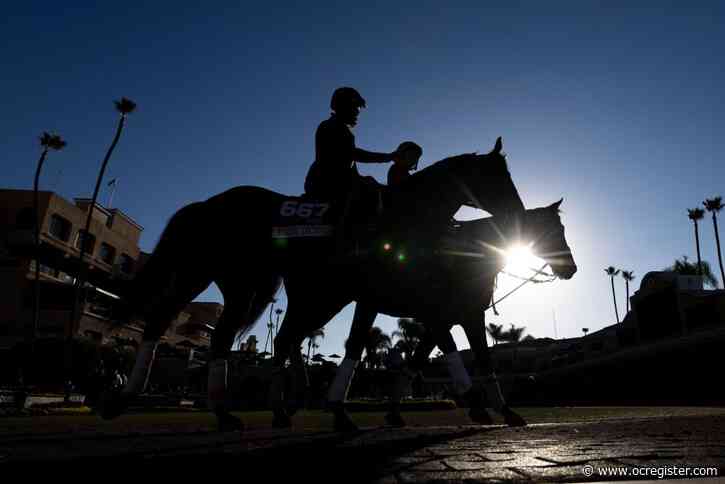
(452, 281)
(227, 239)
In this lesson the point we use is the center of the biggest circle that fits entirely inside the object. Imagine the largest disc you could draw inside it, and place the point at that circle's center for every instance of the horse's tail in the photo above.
(180, 239)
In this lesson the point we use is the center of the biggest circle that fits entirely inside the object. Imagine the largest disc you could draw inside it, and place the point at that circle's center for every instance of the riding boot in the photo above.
(217, 396)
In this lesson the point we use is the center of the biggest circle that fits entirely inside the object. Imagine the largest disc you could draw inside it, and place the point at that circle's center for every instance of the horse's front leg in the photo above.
(476, 334)
(362, 322)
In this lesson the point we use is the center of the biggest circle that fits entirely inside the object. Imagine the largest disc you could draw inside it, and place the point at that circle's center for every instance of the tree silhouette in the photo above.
(496, 332)
(312, 340)
(48, 142)
(696, 214)
(627, 276)
(514, 334)
(714, 205)
(684, 267)
(410, 332)
(611, 272)
(377, 341)
(124, 108)
(585, 331)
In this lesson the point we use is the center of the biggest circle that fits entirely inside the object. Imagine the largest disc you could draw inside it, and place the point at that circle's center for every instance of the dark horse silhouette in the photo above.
(449, 280)
(227, 240)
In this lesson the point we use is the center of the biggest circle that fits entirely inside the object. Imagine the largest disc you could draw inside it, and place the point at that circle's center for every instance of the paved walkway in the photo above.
(557, 452)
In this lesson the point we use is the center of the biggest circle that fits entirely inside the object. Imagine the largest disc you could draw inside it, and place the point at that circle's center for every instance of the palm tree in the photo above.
(585, 331)
(312, 340)
(47, 142)
(611, 272)
(714, 205)
(377, 341)
(514, 334)
(686, 268)
(496, 332)
(696, 214)
(628, 276)
(410, 332)
(124, 107)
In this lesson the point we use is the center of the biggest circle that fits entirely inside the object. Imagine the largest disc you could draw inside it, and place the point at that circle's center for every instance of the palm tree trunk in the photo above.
(697, 244)
(309, 348)
(82, 251)
(36, 288)
(626, 284)
(719, 252)
(614, 297)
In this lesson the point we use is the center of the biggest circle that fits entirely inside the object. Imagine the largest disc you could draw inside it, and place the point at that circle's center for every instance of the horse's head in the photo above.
(543, 232)
(485, 182)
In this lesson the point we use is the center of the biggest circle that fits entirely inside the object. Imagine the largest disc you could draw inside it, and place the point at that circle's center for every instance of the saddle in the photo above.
(348, 222)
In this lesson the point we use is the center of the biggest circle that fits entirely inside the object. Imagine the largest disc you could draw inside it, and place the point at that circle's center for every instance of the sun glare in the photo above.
(521, 261)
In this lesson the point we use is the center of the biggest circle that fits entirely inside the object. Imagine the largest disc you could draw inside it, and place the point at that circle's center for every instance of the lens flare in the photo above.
(521, 261)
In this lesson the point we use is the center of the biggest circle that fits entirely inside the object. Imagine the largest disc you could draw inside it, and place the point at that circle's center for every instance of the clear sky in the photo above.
(615, 106)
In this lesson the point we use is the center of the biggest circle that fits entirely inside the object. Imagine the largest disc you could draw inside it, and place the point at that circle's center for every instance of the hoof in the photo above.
(343, 423)
(281, 420)
(226, 422)
(112, 404)
(394, 419)
(480, 416)
(511, 418)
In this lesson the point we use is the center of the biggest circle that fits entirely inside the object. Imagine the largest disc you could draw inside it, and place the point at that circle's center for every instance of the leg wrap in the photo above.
(141, 369)
(341, 383)
(457, 370)
(493, 392)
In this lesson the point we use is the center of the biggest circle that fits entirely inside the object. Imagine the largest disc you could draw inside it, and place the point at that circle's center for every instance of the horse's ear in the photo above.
(498, 146)
(556, 205)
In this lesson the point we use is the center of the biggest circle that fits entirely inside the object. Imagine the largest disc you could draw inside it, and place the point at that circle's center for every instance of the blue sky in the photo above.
(616, 107)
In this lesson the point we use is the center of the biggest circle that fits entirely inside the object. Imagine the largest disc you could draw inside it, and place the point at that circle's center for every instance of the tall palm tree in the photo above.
(124, 107)
(312, 340)
(496, 332)
(686, 268)
(410, 332)
(377, 341)
(696, 214)
(47, 142)
(714, 205)
(611, 272)
(627, 276)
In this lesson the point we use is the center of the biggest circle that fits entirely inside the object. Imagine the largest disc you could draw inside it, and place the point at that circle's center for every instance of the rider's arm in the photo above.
(363, 156)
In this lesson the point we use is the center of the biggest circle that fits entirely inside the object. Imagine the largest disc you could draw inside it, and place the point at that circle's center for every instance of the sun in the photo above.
(521, 261)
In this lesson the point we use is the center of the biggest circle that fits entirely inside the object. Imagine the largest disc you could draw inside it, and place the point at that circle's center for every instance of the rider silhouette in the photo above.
(333, 174)
(410, 153)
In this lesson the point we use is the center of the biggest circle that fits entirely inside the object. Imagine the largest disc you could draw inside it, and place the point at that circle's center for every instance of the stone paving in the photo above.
(541, 452)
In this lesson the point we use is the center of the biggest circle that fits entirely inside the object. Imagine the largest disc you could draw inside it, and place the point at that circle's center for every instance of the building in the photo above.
(113, 257)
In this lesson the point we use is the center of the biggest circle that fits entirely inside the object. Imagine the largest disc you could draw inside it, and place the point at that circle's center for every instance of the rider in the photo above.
(404, 164)
(333, 174)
